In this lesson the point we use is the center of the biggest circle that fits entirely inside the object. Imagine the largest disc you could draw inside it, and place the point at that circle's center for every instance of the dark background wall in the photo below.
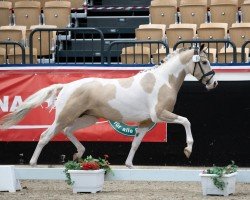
(220, 122)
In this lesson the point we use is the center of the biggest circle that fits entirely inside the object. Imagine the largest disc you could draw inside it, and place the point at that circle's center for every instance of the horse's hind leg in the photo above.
(44, 139)
(82, 122)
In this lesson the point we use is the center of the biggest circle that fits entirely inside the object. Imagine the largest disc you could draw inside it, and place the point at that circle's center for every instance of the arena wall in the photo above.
(219, 121)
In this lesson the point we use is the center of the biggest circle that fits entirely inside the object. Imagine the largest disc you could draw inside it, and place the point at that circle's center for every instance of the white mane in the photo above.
(166, 59)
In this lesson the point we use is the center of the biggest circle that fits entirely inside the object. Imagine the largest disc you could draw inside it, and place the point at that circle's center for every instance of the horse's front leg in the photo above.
(170, 117)
(140, 133)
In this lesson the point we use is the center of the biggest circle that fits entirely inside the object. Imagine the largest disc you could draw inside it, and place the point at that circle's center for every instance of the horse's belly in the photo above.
(131, 112)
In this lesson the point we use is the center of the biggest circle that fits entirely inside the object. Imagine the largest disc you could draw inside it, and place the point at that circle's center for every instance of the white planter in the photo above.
(87, 180)
(208, 187)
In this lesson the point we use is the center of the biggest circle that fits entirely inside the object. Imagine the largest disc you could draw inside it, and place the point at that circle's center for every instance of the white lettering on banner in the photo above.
(4, 104)
(7, 106)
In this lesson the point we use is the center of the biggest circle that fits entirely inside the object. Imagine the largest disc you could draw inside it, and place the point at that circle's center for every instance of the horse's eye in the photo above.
(204, 62)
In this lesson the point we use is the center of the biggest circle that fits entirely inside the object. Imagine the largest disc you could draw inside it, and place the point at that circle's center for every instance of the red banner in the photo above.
(17, 85)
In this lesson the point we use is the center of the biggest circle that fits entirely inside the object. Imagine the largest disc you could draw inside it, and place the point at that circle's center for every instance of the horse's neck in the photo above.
(174, 73)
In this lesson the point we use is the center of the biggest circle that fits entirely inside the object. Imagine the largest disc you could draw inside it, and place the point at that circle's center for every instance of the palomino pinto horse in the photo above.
(146, 98)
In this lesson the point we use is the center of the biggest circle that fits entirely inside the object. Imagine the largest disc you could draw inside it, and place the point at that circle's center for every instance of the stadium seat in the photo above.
(44, 42)
(15, 56)
(42, 2)
(178, 3)
(239, 33)
(76, 3)
(177, 32)
(224, 11)
(245, 15)
(208, 3)
(163, 12)
(240, 2)
(5, 13)
(211, 31)
(151, 32)
(135, 55)
(13, 33)
(27, 13)
(193, 11)
(2, 56)
(57, 13)
(121, 3)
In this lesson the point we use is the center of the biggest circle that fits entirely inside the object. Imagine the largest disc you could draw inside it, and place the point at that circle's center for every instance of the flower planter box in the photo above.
(208, 187)
(87, 180)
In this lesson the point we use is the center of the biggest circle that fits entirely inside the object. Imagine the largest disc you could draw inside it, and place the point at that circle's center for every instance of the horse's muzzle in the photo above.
(212, 85)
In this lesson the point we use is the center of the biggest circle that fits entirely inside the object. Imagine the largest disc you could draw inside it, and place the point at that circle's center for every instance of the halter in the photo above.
(196, 60)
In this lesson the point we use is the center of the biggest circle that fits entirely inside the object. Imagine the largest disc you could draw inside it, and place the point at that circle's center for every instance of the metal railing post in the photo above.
(7, 43)
(74, 30)
(134, 43)
(199, 41)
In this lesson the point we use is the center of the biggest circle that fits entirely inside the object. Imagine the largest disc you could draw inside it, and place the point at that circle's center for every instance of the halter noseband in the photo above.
(196, 60)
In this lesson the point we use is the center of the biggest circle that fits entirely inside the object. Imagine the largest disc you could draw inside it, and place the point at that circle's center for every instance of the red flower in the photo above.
(90, 166)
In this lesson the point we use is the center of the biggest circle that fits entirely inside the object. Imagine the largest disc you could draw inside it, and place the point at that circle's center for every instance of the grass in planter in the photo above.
(71, 165)
(220, 171)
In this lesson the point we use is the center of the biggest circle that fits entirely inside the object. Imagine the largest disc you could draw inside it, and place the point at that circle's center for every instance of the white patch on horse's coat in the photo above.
(129, 103)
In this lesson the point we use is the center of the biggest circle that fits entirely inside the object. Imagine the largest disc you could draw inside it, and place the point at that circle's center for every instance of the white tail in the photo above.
(32, 101)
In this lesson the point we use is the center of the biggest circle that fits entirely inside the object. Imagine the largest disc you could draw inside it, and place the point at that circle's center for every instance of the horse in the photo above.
(145, 98)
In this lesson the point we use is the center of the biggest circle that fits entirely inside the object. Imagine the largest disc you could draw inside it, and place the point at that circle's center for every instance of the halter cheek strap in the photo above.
(210, 73)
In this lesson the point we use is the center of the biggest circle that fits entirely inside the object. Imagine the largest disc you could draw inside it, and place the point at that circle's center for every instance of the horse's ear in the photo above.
(202, 47)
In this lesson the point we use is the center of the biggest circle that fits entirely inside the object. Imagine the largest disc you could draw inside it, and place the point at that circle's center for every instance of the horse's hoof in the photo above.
(33, 164)
(75, 157)
(187, 152)
(130, 166)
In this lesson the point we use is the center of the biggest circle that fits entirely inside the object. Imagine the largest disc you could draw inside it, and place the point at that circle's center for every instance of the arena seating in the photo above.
(57, 13)
(43, 49)
(163, 12)
(2, 55)
(5, 13)
(15, 56)
(239, 33)
(224, 11)
(151, 32)
(245, 16)
(167, 21)
(193, 12)
(13, 33)
(212, 31)
(27, 13)
(135, 55)
(177, 32)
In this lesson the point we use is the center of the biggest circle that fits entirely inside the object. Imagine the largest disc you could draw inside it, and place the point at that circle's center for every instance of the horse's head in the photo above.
(201, 68)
